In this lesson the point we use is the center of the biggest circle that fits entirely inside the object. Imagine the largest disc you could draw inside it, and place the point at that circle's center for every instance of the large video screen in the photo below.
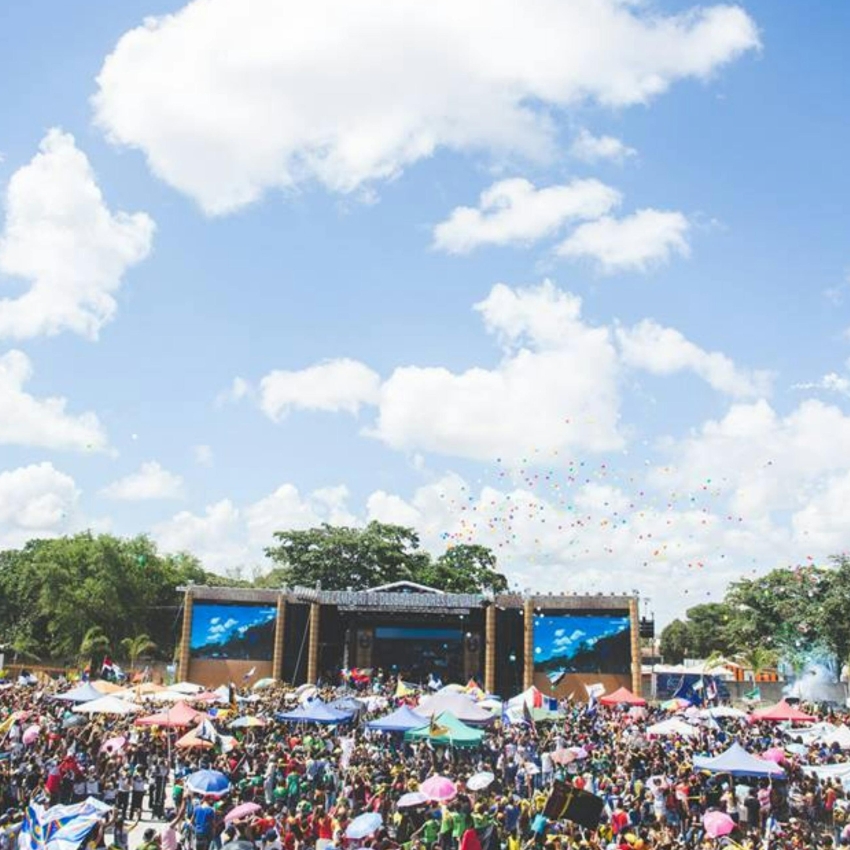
(237, 630)
(582, 643)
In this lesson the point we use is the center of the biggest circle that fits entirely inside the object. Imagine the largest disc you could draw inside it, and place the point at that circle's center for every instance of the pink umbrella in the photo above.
(439, 788)
(113, 745)
(243, 810)
(31, 734)
(563, 757)
(717, 824)
(579, 752)
(775, 755)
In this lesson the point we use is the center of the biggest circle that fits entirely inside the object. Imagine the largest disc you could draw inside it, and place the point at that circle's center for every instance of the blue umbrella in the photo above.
(364, 825)
(210, 783)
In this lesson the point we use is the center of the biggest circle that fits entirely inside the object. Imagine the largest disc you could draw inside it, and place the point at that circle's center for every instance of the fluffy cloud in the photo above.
(590, 148)
(514, 211)
(35, 501)
(61, 237)
(663, 351)
(227, 100)
(337, 385)
(832, 382)
(634, 243)
(149, 482)
(28, 421)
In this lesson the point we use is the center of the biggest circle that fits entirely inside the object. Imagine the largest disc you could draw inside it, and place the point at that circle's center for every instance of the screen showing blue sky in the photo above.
(216, 629)
(565, 636)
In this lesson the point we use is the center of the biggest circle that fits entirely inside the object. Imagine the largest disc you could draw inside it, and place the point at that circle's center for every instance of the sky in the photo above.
(563, 635)
(568, 280)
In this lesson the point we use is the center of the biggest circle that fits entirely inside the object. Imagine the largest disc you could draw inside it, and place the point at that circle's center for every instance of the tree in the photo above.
(137, 647)
(94, 645)
(464, 568)
(708, 629)
(758, 659)
(675, 642)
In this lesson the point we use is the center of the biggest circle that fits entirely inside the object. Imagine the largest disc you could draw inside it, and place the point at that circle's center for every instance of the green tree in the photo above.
(94, 645)
(758, 659)
(137, 647)
(675, 642)
(464, 568)
(708, 629)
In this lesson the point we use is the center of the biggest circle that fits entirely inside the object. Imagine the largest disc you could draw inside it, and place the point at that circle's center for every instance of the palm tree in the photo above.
(758, 659)
(94, 643)
(137, 647)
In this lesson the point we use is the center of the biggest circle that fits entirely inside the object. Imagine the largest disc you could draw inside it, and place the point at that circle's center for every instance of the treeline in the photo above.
(70, 598)
(789, 615)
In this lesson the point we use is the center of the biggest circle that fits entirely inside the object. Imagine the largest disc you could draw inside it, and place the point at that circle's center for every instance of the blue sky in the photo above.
(563, 635)
(572, 284)
(218, 623)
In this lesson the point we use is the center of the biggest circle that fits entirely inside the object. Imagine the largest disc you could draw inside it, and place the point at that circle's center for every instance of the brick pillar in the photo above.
(185, 638)
(279, 632)
(634, 618)
(313, 647)
(490, 649)
(528, 669)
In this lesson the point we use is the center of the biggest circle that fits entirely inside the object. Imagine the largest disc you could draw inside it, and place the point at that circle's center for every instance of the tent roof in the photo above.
(315, 712)
(458, 734)
(736, 761)
(782, 711)
(400, 720)
(179, 715)
(191, 741)
(107, 705)
(673, 726)
(461, 706)
(86, 692)
(620, 696)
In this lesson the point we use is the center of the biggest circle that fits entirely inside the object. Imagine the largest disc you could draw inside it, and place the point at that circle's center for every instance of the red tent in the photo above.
(179, 716)
(781, 712)
(620, 697)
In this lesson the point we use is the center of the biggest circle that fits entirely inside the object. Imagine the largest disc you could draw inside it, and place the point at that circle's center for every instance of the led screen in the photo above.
(582, 643)
(237, 630)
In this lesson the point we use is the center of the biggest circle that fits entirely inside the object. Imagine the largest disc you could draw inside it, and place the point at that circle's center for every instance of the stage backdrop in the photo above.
(233, 631)
(582, 643)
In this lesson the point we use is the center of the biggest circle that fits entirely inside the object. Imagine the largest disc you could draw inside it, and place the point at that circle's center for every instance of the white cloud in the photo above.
(35, 501)
(333, 386)
(149, 482)
(44, 423)
(515, 212)
(203, 454)
(61, 237)
(214, 536)
(239, 389)
(832, 382)
(664, 351)
(590, 148)
(634, 243)
(227, 100)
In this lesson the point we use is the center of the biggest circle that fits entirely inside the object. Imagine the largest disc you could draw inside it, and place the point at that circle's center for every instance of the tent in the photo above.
(315, 712)
(448, 730)
(104, 687)
(782, 712)
(178, 716)
(461, 706)
(191, 741)
(674, 726)
(534, 698)
(85, 692)
(107, 705)
(186, 688)
(839, 736)
(736, 761)
(622, 696)
(400, 720)
(826, 772)
(349, 705)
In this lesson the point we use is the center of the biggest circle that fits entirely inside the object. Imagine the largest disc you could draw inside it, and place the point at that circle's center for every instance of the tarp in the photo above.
(461, 706)
(400, 720)
(82, 693)
(448, 729)
(736, 761)
(315, 712)
(783, 712)
(620, 697)
(177, 717)
(107, 705)
(674, 726)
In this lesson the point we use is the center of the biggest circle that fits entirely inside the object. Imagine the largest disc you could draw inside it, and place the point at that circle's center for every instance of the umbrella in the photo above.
(211, 783)
(364, 825)
(579, 752)
(247, 722)
(775, 755)
(31, 734)
(113, 745)
(439, 788)
(563, 757)
(717, 824)
(241, 811)
(480, 781)
(262, 684)
(71, 720)
(413, 798)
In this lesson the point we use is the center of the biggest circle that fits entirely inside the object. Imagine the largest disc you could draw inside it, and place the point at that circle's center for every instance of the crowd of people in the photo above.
(301, 786)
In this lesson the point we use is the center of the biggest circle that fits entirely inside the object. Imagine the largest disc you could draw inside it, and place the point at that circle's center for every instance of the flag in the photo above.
(60, 827)
(528, 717)
(556, 676)
(698, 685)
(711, 690)
(566, 802)
(207, 732)
(435, 730)
(754, 694)
(249, 674)
(402, 689)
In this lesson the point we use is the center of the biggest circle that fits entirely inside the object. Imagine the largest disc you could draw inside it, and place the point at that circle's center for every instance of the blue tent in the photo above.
(315, 712)
(400, 720)
(736, 761)
(82, 693)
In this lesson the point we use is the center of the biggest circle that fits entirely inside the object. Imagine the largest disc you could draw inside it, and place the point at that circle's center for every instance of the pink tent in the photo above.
(622, 696)
(180, 716)
(782, 712)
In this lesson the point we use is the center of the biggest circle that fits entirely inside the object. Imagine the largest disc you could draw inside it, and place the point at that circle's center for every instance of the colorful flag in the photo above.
(60, 827)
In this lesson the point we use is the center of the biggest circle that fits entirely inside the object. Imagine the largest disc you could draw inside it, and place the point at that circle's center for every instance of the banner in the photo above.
(568, 803)
(60, 827)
